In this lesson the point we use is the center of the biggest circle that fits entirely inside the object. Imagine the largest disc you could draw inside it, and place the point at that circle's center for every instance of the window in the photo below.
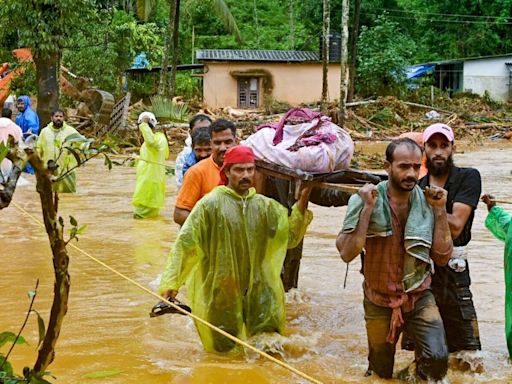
(248, 92)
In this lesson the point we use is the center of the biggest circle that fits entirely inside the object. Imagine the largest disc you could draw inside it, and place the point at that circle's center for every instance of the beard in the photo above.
(58, 124)
(440, 169)
(397, 183)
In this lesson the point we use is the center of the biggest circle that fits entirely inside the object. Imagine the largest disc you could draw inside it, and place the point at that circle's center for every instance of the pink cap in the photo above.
(438, 128)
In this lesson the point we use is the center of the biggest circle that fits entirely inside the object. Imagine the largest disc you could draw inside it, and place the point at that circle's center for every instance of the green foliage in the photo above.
(25, 83)
(47, 26)
(187, 86)
(120, 42)
(9, 337)
(383, 53)
(167, 110)
(75, 230)
(383, 116)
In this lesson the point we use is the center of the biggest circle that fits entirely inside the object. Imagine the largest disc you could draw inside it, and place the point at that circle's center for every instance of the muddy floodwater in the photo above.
(108, 330)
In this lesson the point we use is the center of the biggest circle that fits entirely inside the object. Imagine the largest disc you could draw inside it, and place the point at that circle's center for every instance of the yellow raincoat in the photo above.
(149, 193)
(49, 144)
(230, 252)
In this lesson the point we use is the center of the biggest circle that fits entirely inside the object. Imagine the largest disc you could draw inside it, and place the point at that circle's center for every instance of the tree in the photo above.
(325, 54)
(167, 84)
(385, 51)
(117, 42)
(343, 67)
(353, 50)
(46, 27)
(54, 226)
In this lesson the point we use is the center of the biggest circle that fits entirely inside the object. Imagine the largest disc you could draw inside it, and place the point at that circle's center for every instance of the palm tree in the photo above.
(167, 84)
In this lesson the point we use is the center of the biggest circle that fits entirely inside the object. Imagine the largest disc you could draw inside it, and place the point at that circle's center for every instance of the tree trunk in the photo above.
(162, 85)
(47, 77)
(353, 51)
(342, 114)
(325, 55)
(292, 25)
(174, 64)
(54, 229)
(255, 11)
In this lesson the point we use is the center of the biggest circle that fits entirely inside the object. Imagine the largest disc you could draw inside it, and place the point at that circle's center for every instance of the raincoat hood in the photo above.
(26, 101)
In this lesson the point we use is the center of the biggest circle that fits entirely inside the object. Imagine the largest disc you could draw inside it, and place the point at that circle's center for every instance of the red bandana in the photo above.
(235, 155)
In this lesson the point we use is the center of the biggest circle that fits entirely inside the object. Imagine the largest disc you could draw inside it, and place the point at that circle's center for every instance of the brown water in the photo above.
(108, 328)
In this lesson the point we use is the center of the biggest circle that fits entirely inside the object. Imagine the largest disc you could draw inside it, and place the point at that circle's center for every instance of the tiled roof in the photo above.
(255, 55)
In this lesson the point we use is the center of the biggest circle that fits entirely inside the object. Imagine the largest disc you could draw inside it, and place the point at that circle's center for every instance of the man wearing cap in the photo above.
(450, 284)
(230, 252)
(149, 195)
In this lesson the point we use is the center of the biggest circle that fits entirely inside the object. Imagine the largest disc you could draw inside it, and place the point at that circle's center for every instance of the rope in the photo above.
(141, 159)
(200, 320)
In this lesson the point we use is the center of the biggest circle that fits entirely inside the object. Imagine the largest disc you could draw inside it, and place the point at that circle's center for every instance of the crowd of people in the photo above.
(411, 234)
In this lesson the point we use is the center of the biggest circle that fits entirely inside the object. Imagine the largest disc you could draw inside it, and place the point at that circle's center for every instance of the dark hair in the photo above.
(198, 118)
(201, 136)
(221, 125)
(58, 110)
(390, 150)
(6, 112)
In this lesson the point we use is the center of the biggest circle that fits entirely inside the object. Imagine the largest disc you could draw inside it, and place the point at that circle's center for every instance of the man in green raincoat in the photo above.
(498, 222)
(149, 195)
(50, 146)
(230, 252)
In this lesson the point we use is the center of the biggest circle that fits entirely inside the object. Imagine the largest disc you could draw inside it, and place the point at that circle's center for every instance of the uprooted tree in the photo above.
(46, 175)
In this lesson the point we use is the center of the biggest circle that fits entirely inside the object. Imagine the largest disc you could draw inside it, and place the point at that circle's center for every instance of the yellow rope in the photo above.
(141, 159)
(222, 332)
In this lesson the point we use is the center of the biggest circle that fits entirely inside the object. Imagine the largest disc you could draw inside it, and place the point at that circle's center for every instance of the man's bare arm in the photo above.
(351, 244)
(180, 215)
(458, 218)
(442, 243)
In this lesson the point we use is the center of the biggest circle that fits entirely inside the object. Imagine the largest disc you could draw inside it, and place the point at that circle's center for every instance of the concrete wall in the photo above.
(488, 74)
(294, 83)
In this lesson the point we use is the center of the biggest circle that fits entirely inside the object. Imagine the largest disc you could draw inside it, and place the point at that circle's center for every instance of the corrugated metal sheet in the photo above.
(256, 55)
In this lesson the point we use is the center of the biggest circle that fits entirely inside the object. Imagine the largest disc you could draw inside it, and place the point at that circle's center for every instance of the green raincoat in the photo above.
(49, 144)
(498, 222)
(149, 195)
(230, 252)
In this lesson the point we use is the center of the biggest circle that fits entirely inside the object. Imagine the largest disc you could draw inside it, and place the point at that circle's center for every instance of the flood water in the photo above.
(108, 329)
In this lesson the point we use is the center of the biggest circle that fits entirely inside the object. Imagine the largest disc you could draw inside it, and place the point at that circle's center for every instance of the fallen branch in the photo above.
(483, 125)
(427, 107)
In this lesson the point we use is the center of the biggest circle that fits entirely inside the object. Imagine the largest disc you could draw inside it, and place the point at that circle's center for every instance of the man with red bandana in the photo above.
(230, 252)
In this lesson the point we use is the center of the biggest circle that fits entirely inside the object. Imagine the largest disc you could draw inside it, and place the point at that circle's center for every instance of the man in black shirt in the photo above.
(450, 284)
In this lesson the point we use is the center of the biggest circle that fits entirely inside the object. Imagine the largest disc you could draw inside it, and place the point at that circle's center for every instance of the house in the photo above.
(476, 74)
(247, 78)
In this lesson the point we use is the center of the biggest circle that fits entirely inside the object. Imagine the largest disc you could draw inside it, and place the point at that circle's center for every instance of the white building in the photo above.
(479, 74)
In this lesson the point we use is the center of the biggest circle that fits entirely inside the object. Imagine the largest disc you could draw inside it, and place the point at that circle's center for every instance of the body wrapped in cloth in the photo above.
(230, 252)
(304, 140)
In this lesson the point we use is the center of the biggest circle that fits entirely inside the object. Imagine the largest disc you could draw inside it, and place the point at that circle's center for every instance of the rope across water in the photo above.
(202, 321)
